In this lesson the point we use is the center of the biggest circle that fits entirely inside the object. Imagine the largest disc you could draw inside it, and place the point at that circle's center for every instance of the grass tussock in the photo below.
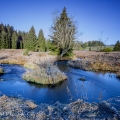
(45, 73)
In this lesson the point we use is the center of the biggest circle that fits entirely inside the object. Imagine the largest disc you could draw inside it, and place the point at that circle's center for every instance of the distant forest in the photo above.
(12, 39)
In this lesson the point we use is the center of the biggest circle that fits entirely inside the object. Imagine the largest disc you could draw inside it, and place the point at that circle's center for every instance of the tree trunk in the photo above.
(63, 52)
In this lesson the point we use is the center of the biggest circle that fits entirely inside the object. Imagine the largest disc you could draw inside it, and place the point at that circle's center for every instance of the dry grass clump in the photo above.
(44, 73)
(42, 54)
(1, 70)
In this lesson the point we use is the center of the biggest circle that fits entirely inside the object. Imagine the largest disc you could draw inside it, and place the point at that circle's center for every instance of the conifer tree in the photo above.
(9, 36)
(41, 41)
(14, 40)
(117, 46)
(24, 39)
(31, 43)
(63, 33)
(48, 45)
(19, 42)
(3, 39)
(0, 36)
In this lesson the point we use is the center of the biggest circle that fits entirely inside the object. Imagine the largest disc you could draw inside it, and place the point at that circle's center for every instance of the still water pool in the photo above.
(97, 86)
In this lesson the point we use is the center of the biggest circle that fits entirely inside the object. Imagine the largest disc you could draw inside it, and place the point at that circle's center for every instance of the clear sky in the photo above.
(93, 16)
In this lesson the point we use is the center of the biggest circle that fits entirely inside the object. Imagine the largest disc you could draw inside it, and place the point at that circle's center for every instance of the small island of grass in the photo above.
(44, 73)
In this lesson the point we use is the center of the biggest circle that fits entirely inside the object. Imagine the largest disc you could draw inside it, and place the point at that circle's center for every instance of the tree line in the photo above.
(12, 39)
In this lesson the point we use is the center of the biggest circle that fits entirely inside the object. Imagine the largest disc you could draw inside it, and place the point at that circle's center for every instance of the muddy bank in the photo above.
(14, 108)
(97, 61)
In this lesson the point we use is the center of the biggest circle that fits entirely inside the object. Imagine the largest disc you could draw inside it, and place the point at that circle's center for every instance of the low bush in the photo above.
(106, 50)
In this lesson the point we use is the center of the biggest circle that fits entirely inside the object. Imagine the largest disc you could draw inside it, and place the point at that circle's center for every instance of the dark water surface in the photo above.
(98, 85)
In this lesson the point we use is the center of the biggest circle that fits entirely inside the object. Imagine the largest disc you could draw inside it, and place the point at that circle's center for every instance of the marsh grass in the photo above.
(45, 73)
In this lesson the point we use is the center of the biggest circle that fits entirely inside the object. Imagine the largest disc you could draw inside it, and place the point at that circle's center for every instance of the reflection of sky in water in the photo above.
(97, 85)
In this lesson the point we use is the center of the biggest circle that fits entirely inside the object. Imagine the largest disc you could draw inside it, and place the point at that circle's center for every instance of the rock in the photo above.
(31, 104)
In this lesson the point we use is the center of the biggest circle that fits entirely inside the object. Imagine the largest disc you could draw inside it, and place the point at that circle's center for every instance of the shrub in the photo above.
(89, 48)
(117, 46)
(106, 50)
(26, 52)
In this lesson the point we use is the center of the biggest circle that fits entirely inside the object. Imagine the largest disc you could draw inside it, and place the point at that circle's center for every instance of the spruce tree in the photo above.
(117, 46)
(14, 40)
(3, 39)
(19, 42)
(41, 41)
(9, 36)
(0, 36)
(48, 45)
(63, 33)
(31, 43)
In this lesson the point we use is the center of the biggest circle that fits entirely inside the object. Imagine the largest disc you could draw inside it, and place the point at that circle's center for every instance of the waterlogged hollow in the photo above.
(97, 86)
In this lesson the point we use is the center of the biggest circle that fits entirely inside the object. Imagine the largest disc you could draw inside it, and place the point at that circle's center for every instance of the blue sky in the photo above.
(92, 16)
